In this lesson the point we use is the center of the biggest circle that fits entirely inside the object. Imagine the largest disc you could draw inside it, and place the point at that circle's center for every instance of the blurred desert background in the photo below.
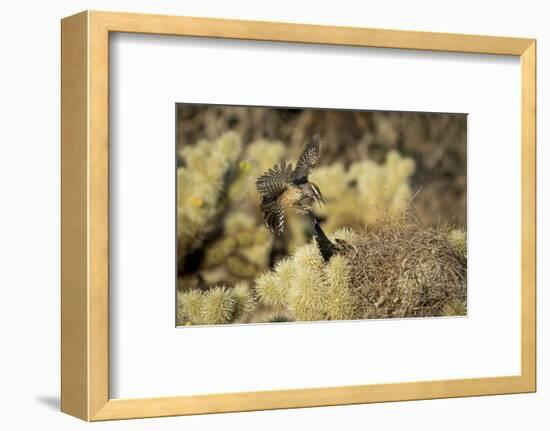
(374, 166)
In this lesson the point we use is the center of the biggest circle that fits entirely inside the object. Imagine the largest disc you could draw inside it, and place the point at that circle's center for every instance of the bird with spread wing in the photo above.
(285, 190)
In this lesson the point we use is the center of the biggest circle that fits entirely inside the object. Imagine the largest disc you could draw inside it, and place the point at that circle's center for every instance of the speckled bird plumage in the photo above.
(284, 189)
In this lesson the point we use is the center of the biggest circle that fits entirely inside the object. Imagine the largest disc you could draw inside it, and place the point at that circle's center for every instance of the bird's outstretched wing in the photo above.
(271, 185)
(275, 181)
(308, 160)
(274, 215)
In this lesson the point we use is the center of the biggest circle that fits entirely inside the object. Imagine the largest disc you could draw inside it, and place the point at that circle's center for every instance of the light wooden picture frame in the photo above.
(85, 215)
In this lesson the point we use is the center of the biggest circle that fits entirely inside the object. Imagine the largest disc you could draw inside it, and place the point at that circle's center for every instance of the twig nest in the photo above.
(405, 270)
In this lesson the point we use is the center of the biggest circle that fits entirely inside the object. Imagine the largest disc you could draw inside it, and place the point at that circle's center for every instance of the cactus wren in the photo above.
(283, 189)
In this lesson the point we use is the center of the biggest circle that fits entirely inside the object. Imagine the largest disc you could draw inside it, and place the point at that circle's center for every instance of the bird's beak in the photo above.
(317, 195)
(321, 201)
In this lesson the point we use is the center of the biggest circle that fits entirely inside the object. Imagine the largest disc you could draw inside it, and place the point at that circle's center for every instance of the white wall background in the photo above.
(29, 216)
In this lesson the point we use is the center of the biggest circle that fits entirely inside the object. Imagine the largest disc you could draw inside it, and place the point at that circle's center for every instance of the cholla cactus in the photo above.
(457, 238)
(201, 183)
(215, 176)
(241, 252)
(258, 156)
(365, 192)
(264, 154)
(218, 214)
(397, 269)
(455, 307)
(308, 288)
(218, 305)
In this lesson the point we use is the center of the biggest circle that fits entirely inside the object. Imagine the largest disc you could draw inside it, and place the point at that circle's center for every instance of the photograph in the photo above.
(307, 214)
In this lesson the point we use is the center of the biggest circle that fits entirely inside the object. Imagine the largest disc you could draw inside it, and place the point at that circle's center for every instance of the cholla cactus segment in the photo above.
(245, 238)
(258, 253)
(244, 301)
(241, 185)
(364, 193)
(240, 267)
(307, 294)
(272, 287)
(384, 189)
(201, 185)
(456, 307)
(218, 252)
(189, 307)
(230, 146)
(216, 306)
(238, 222)
(263, 154)
(254, 241)
(343, 304)
(457, 238)
(243, 249)
(348, 235)
(258, 157)
(331, 179)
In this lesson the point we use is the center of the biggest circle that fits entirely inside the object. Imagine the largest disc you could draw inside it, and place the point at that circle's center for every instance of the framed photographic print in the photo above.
(267, 215)
(261, 241)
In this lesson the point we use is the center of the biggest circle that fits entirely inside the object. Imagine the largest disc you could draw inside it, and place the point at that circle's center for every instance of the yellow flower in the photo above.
(245, 166)
(196, 201)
